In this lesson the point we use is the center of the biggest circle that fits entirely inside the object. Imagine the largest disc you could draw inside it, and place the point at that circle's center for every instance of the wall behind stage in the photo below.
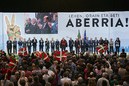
(97, 24)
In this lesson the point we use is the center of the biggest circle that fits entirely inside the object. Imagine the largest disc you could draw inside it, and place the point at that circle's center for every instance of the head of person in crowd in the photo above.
(28, 21)
(55, 17)
(46, 19)
(22, 82)
(34, 21)
(104, 83)
(40, 25)
(39, 21)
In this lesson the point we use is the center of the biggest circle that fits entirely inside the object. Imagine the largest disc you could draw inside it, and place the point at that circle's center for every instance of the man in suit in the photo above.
(52, 45)
(71, 44)
(41, 44)
(83, 45)
(57, 45)
(117, 45)
(47, 45)
(63, 44)
(9, 46)
(77, 45)
(101, 42)
(34, 44)
(95, 44)
(47, 25)
(29, 45)
(91, 45)
(15, 46)
(34, 27)
(28, 27)
(24, 43)
(20, 43)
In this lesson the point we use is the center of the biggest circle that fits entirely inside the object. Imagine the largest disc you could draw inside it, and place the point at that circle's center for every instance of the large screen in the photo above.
(42, 23)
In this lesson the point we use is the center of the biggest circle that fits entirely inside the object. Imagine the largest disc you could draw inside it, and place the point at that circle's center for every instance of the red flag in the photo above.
(60, 55)
(102, 48)
(42, 55)
(22, 52)
(45, 57)
(12, 62)
(38, 54)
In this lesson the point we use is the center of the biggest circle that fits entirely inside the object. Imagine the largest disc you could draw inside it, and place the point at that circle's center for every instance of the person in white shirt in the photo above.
(103, 80)
(65, 79)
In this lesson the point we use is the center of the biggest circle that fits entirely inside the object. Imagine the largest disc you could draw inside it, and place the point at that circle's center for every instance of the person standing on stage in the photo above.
(77, 45)
(63, 44)
(47, 45)
(20, 43)
(87, 44)
(101, 42)
(71, 43)
(95, 44)
(83, 45)
(111, 46)
(29, 45)
(91, 45)
(57, 45)
(52, 45)
(117, 45)
(9, 46)
(15, 46)
(34, 44)
(24, 43)
(106, 42)
(41, 44)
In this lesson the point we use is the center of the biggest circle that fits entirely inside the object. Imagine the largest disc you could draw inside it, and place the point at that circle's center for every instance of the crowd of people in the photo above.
(44, 23)
(83, 69)
(50, 45)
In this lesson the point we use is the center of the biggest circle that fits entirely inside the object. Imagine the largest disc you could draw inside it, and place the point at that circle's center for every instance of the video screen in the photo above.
(42, 23)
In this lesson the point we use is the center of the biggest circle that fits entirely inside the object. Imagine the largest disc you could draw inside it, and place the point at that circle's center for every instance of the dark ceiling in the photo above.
(63, 5)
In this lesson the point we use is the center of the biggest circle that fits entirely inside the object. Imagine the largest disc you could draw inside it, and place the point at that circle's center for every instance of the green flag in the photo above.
(79, 35)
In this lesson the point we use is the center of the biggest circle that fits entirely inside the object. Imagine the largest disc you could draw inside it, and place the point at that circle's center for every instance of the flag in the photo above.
(22, 52)
(79, 35)
(12, 61)
(85, 35)
(38, 54)
(102, 48)
(60, 55)
(45, 57)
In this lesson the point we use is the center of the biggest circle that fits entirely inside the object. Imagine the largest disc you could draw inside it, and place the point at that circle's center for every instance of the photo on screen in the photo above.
(42, 23)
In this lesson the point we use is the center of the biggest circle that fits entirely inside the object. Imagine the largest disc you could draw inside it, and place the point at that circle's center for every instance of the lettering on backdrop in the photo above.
(97, 20)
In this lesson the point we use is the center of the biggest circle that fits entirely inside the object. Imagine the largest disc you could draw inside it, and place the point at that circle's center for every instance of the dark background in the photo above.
(63, 5)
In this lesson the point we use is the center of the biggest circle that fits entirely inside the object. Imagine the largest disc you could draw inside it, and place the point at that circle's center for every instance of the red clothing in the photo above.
(63, 43)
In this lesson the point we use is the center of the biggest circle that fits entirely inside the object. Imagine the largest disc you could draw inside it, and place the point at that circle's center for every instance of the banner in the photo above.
(67, 24)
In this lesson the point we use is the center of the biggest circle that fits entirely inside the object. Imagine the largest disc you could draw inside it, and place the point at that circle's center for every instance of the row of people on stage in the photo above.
(81, 45)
